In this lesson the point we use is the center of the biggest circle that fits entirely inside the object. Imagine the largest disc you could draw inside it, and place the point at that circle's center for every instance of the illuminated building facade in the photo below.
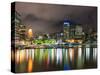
(66, 29)
(78, 31)
(20, 29)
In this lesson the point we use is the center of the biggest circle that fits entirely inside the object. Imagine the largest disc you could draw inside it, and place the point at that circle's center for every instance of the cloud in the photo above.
(46, 17)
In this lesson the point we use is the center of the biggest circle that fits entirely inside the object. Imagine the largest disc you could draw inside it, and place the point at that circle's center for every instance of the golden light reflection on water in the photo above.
(17, 57)
(30, 65)
(22, 56)
(12, 55)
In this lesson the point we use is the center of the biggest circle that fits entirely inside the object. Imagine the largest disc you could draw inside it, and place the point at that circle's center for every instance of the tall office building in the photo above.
(20, 29)
(66, 29)
(72, 31)
(15, 26)
(78, 31)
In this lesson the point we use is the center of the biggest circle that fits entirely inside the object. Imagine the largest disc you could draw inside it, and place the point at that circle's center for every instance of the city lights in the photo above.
(30, 34)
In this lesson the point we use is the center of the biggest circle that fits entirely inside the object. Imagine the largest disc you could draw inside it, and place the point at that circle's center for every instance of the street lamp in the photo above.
(30, 34)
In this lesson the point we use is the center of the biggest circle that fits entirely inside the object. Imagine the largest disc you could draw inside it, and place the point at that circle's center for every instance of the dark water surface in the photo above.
(34, 60)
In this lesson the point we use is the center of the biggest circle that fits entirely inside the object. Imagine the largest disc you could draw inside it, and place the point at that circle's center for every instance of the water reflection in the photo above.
(32, 60)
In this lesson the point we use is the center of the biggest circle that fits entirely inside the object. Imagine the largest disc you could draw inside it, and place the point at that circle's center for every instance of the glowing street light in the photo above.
(30, 33)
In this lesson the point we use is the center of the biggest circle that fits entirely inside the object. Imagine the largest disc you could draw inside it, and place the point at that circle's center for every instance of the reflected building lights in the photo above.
(32, 54)
(41, 56)
(87, 53)
(59, 56)
(80, 59)
(30, 61)
(27, 51)
(94, 54)
(68, 58)
(30, 65)
(46, 57)
(49, 52)
(22, 55)
(17, 56)
(80, 53)
(12, 56)
(71, 54)
(52, 55)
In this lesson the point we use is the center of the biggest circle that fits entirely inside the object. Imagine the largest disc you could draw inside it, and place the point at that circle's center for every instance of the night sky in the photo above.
(48, 18)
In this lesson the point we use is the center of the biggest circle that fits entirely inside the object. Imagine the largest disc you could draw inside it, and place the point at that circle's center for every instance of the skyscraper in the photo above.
(66, 29)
